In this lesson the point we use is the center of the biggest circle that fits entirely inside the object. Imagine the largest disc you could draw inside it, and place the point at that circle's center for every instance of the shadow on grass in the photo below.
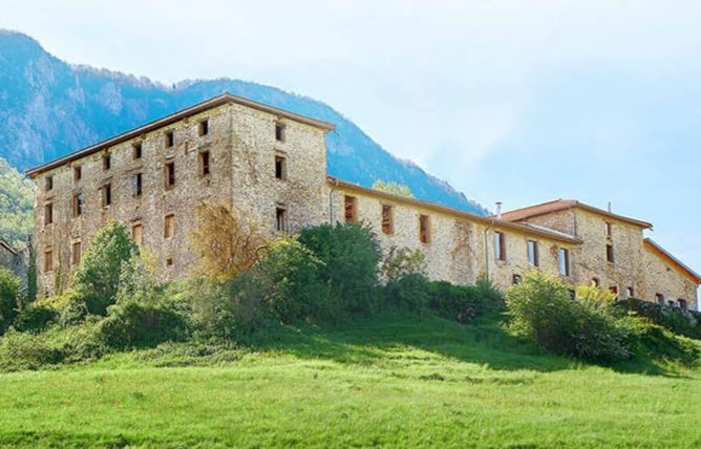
(483, 342)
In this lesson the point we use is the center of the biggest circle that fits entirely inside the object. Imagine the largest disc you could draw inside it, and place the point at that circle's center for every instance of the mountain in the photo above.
(49, 108)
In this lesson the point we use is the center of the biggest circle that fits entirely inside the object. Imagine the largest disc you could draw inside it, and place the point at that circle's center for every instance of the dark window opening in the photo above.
(609, 229)
(49, 182)
(169, 260)
(683, 304)
(77, 204)
(77, 173)
(170, 139)
(595, 282)
(281, 219)
(572, 294)
(137, 150)
(107, 195)
(516, 278)
(170, 174)
(614, 289)
(48, 213)
(106, 161)
(609, 253)
(629, 292)
(350, 208)
(137, 184)
(424, 235)
(659, 298)
(48, 260)
(204, 163)
(279, 132)
(76, 253)
(204, 127)
(280, 167)
(387, 219)
(499, 246)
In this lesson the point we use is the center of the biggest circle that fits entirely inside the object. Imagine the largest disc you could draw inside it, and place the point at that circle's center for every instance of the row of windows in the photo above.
(386, 219)
(533, 253)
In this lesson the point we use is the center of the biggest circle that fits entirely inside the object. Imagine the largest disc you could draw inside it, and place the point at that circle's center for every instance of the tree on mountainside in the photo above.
(393, 188)
(16, 206)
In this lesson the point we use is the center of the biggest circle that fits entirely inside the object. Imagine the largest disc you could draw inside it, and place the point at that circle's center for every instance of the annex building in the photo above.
(239, 153)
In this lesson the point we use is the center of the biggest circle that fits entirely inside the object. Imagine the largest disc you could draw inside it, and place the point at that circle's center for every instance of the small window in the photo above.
(170, 174)
(203, 128)
(609, 253)
(49, 183)
(107, 195)
(106, 161)
(614, 289)
(170, 139)
(387, 219)
(48, 259)
(137, 150)
(629, 292)
(659, 299)
(424, 231)
(204, 163)
(349, 203)
(77, 173)
(516, 279)
(169, 230)
(683, 304)
(77, 204)
(595, 282)
(499, 246)
(279, 132)
(281, 219)
(137, 233)
(169, 260)
(48, 213)
(280, 167)
(76, 253)
(609, 229)
(564, 261)
(533, 253)
(572, 294)
(137, 184)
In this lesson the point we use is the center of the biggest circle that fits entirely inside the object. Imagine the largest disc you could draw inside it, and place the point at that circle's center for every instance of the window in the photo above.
(516, 278)
(77, 204)
(659, 299)
(107, 195)
(77, 173)
(595, 282)
(76, 253)
(169, 229)
(424, 234)
(564, 261)
(280, 167)
(170, 139)
(137, 150)
(169, 260)
(683, 304)
(387, 219)
(106, 161)
(137, 233)
(170, 174)
(48, 213)
(609, 253)
(499, 246)
(281, 219)
(629, 292)
(533, 253)
(279, 132)
(204, 163)
(203, 128)
(48, 259)
(572, 294)
(137, 185)
(349, 208)
(49, 183)
(609, 229)
(614, 289)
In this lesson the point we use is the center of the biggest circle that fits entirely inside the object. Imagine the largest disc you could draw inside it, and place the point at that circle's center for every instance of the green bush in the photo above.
(27, 351)
(456, 302)
(541, 309)
(35, 318)
(681, 322)
(10, 298)
(350, 255)
(410, 291)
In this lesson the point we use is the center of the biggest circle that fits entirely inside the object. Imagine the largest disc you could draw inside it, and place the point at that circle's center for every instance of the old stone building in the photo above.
(239, 153)
(10, 258)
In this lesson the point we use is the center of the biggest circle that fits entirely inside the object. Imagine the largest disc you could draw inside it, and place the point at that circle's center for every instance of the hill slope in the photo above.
(51, 108)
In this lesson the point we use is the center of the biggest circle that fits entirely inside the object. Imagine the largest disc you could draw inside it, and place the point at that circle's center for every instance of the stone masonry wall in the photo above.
(664, 279)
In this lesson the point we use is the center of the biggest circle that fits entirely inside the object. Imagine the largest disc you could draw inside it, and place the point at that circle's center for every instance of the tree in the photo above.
(97, 279)
(10, 298)
(393, 188)
(229, 240)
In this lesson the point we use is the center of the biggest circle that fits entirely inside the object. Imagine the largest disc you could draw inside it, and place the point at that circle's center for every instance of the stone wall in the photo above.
(663, 278)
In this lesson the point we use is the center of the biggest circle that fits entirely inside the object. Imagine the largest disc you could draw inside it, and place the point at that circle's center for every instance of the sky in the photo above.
(510, 100)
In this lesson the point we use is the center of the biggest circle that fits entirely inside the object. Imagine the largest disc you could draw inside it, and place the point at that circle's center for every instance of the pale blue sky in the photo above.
(510, 100)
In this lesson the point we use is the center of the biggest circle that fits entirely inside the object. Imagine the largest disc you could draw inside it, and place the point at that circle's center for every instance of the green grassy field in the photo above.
(394, 383)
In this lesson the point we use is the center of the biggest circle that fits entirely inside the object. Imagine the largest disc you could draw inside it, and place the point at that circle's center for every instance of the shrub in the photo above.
(401, 261)
(679, 321)
(541, 309)
(97, 278)
(20, 351)
(350, 254)
(410, 291)
(455, 302)
(35, 318)
(10, 298)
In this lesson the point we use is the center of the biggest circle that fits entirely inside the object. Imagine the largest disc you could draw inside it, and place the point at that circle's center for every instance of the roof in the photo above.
(560, 204)
(676, 263)
(220, 100)
(489, 221)
(7, 246)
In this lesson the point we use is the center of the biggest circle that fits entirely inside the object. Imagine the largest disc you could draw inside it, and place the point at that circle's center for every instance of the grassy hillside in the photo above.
(407, 382)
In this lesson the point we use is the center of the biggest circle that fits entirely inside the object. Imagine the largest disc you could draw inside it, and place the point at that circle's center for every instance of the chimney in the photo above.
(609, 207)
(498, 210)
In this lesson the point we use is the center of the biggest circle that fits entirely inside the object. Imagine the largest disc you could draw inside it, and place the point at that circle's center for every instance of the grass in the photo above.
(401, 382)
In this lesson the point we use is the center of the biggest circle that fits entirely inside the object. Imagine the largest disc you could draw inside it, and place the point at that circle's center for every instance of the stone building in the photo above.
(236, 152)
(10, 258)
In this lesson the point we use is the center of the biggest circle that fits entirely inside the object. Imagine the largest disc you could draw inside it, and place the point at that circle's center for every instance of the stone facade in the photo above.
(272, 163)
(667, 281)
(12, 259)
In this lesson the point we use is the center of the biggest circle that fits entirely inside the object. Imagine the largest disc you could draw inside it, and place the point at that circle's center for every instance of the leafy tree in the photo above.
(16, 206)
(393, 188)
(401, 261)
(97, 279)
(10, 298)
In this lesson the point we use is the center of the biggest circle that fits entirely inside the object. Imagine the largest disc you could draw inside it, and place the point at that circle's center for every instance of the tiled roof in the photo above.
(560, 204)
